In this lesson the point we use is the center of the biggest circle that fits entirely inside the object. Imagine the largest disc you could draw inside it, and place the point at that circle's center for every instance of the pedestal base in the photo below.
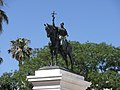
(54, 78)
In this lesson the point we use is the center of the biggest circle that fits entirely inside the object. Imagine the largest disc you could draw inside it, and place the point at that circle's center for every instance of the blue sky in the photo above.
(85, 20)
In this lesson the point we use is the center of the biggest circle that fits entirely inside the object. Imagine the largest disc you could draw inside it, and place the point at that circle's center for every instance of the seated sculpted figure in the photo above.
(62, 34)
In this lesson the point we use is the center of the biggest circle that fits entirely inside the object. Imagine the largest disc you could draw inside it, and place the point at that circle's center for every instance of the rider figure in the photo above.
(62, 34)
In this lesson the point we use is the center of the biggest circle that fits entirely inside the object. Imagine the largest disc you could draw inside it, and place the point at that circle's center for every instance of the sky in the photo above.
(85, 20)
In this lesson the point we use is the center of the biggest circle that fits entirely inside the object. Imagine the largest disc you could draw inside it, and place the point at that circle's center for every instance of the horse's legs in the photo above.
(71, 60)
(51, 51)
(69, 53)
(64, 56)
(66, 61)
(55, 54)
(56, 63)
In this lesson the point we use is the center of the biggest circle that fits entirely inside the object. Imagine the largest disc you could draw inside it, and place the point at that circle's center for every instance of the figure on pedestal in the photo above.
(58, 42)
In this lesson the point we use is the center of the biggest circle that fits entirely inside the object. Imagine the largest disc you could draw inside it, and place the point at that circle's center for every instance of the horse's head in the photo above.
(48, 30)
(52, 33)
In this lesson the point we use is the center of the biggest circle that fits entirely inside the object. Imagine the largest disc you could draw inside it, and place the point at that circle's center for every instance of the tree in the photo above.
(98, 63)
(3, 16)
(7, 81)
(20, 51)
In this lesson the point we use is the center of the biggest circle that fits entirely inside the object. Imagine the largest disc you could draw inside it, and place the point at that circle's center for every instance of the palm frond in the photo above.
(9, 51)
(4, 17)
(1, 2)
(1, 60)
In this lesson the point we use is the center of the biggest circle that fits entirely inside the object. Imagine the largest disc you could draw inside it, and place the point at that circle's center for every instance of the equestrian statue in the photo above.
(58, 42)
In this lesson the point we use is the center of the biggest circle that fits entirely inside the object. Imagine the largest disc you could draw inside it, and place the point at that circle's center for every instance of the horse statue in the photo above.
(64, 50)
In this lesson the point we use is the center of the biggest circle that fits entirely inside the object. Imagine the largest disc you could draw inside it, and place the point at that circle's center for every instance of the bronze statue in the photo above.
(59, 43)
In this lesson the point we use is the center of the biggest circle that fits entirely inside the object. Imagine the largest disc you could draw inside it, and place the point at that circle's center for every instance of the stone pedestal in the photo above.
(55, 78)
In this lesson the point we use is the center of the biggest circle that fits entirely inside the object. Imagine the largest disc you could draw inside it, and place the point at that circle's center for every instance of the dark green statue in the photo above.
(58, 42)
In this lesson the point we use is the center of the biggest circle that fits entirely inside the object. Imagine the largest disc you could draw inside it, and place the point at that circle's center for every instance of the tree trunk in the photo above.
(20, 75)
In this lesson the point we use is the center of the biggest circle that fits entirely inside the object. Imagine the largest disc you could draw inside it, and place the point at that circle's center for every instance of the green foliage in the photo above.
(108, 79)
(98, 63)
(10, 81)
(7, 81)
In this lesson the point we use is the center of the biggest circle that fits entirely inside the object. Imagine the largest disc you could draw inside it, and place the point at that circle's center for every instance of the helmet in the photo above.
(62, 23)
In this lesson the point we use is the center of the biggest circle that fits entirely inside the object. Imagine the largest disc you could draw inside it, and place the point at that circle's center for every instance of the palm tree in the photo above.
(20, 51)
(3, 16)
